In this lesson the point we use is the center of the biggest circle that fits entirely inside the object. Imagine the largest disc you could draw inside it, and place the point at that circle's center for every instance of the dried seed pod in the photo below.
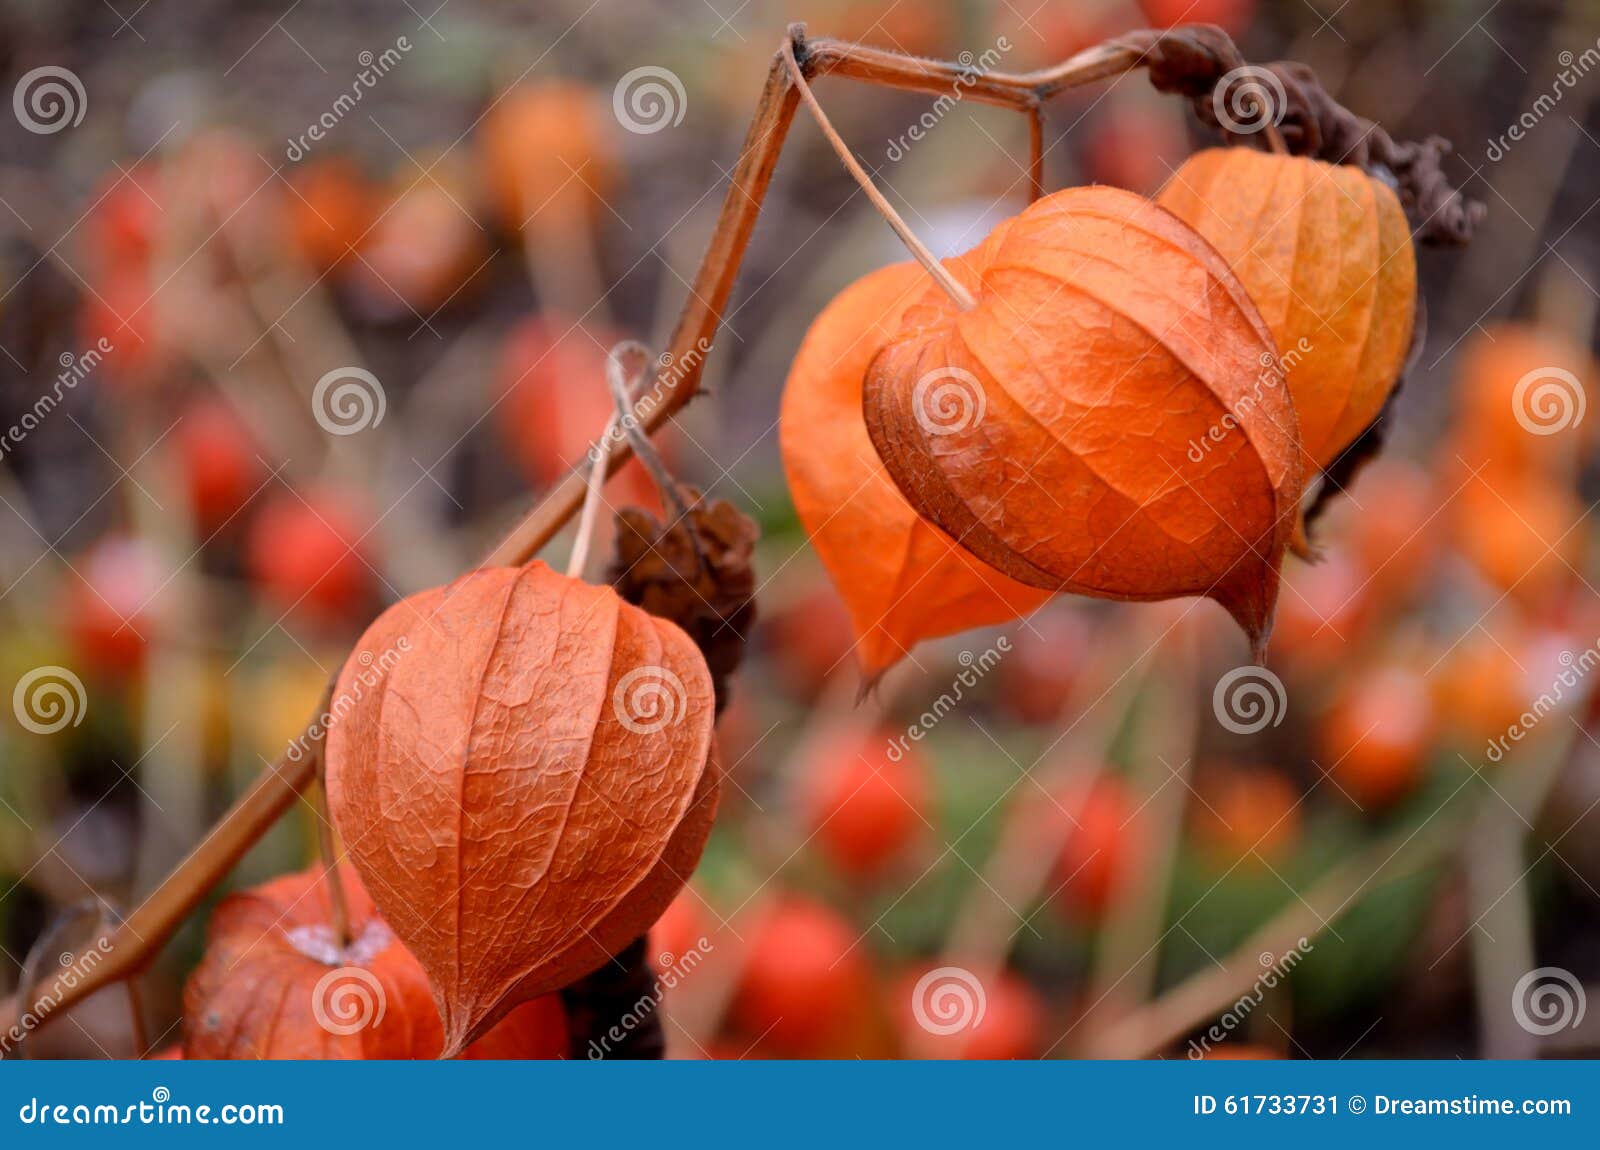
(526, 785)
(1326, 253)
(901, 577)
(1102, 421)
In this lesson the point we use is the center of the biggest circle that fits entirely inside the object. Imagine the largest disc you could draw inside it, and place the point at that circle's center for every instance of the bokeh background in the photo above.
(1083, 840)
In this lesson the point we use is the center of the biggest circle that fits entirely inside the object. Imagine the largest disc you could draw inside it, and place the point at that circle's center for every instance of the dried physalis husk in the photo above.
(1326, 253)
(521, 768)
(900, 576)
(1104, 420)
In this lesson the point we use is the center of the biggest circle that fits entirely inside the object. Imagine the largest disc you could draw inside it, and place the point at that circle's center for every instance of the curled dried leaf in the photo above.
(696, 571)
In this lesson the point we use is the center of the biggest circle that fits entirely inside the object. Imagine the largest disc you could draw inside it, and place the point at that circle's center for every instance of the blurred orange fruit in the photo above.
(108, 605)
(678, 931)
(806, 980)
(304, 552)
(812, 638)
(1244, 810)
(1375, 737)
(1241, 1052)
(1523, 534)
(218, 460)
(330, 209)
(1136, 145)
(1038, 674)
(1322, 611)
(1005, 1027)
(1103, 850)
(422, 249)
(1393, 524)
(1233, 16)
(1520, 400)
(547, 154)
(552, 374)
(122, 220)
(863, 794)
(121, 312)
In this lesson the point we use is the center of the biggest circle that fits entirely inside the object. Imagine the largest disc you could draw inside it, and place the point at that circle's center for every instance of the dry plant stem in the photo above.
(1202, 996)
(584, 539)
(338, 904)
(1016, 875)
(621, 391)
(1501, 934)
(1404, 851)
(132, 946)
(917, 248)
(1035, 152)
(1125, 964)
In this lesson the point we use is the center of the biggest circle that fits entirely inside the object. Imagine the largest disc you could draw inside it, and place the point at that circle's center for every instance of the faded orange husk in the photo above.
(1326, 254)
(523, 774)
(1098, 423)
(901, 578)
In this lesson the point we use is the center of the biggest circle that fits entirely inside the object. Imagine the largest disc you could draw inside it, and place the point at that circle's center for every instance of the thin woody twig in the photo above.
(953, 287)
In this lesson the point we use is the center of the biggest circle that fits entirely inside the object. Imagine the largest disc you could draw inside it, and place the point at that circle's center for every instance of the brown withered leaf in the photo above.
(696, 570)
